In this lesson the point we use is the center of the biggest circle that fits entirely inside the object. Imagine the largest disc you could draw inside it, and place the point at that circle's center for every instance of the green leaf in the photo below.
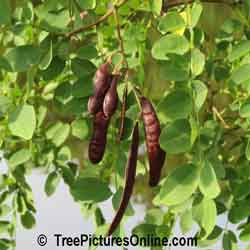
(143, 230)
(156, 6)
(47, 57)
(5, 12)
(245, 110)
(172, 21)
(173, 71)
(61, 135)
(90, 190)
(201, 91)
(239, 50)
(87, 52)
(87, 4)
(197, 62)
(5, 104)
(196, 12)
(176, 138)
(247, 150)
(176, 105)
(22, 121)
(208, 181)
(4, 226)
(21, 58)
(80, 129)
(63, 155)
(170, 44)
(28, 220)
(241, 74)
(41, 115)
(242, 190)
(52, 182)
(239, 211)
(154, 216)
(63, 93)
(5, 210)
(58, 133)
(229, 241)
(82, 68)
(55, 68)
(20, 157)
(245, 234)
(179, 185)
(116, 201)
(186, 221)
(52, 18)
(204, 212)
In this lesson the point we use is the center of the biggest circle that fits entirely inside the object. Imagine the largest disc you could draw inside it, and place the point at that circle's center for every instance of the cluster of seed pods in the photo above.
(103, 105)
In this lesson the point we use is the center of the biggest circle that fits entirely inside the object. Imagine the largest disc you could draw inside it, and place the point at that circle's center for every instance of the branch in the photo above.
(98, 21)
(173, 3)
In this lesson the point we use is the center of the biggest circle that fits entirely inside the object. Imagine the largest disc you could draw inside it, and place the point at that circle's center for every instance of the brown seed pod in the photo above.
(99, 138)
(94, 105)
(101, 80)
(129, 181)
(110, 102)
(152, 132)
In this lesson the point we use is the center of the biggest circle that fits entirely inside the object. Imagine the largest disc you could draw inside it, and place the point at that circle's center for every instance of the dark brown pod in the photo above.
(99, 138)
(94, 105)
(129, 181)
(101, 80)
(110, 102)
(152, 132)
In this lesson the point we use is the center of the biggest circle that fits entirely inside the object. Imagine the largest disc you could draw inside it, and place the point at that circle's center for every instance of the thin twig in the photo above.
(97, 22)
(217, 113)
(121, 44)
(123, 114)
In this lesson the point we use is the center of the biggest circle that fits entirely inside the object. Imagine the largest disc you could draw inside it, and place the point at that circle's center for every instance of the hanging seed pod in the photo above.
(99, 138)
(101, 80)
(129, 181)
(152, 132)
(110, 102)
(94, 105)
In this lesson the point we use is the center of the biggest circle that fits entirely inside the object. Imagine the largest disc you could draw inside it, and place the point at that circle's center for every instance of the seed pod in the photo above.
(94, 104)
(99, 138)
(129, 181)
(110, 102)
(101, 80)
(152, 132)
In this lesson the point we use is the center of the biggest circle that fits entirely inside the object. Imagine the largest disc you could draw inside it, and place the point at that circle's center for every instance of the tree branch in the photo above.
(173, 3)
(166, 5)
(98, 21)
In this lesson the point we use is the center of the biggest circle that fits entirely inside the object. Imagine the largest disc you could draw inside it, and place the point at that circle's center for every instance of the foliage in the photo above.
(193, 62)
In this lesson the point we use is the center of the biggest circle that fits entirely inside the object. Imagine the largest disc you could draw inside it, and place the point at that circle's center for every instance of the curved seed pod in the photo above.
(110, 102)
(129, 181)
(152, 132)
(99, 138)
(94, 105)
(101, 80)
